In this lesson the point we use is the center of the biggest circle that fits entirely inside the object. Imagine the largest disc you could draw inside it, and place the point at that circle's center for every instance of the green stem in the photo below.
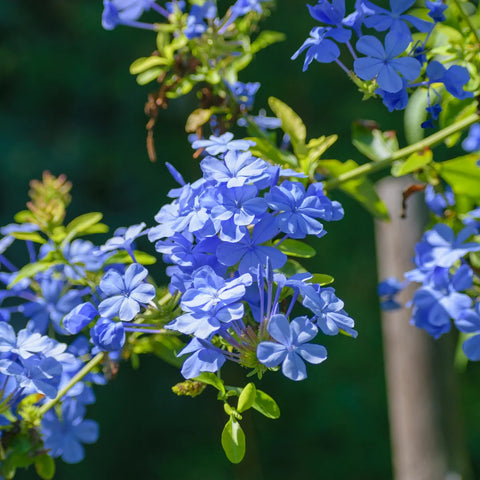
(467, 19)
(79, 376)
(430, 141)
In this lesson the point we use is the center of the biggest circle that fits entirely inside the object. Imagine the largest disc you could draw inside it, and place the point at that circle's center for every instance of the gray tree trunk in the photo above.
(425, 428)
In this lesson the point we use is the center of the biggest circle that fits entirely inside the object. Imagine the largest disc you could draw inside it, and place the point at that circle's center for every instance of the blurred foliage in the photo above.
(69, 105)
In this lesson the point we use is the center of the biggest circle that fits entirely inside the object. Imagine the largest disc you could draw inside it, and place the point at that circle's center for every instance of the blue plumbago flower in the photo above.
(40, 375)
(298, 209)
(387, 290)
(395, 20)
(123, 238)
(53, 304)
(472, 142)
(439, 301)
(64, 435)
(125, 12)
(328, 310)
(263, 122)
(76, 320)
(107, 335)
(319, 46)
(469, 322)
(205, 358)
(437, 202)
(210, 303)
(239, 9)
(329, 13)
(396, 100)
(440, 247)
(196, 26)
(472, 219)
(454, 78)
(356, 19)
(381, 62)
(250, 251)
(292, 347)
(244, 93)
(436, 9)
(433, 112)
(125, 292)
(236, 170)
(216, 145)
(25, 344)
(175, 4)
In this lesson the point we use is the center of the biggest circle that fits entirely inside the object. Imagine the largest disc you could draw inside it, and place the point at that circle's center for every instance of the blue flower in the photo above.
(125, 12)
(64, 436)
(205, 358)
(329, 13)
(356, 19)
(436, 9)
(454, 78)
(472, 142)
(395, 20)
(108, 335)
(249, 251)
(215, 145)
(381, 63)
(125, 292)
(195, 24)
(320, 48)
(292, 347)
(123, 238)
(396, 100)
(76, 320)
(328, 310)
(244, 93)
(387, 290)
(437, 202)
(25, 344)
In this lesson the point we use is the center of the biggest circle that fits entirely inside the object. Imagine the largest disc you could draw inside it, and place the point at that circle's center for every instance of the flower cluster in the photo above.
(225, 236)
(396, 64)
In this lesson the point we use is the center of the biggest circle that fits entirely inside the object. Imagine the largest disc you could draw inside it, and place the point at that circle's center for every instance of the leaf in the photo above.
(32, 236)
(123, 257)
(30, 270)
(211, 379)
(462, 174)
(149, 75)
(265, 39)
(415, 115)
(322, 279)
(233, 441)
(247, 397)
(292, 267)
(295, 248)
(80, 224)
(197, 118)
(267, 151)
(292, 124)
(372, 142)
(45, 466)
(146, 63)
(266, 405)
(414, 162)
(361, 189)
(317, 146)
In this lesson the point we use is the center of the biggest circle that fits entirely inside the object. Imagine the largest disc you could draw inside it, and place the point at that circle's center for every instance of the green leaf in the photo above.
(414, 162)
(292, 267)
(30, 270)
(317, 146)
(266, 405)
(150, 75)
(372, 142)
(211, 379)
(123, 257)
(322, 279)
(462, 174)
(295, 248)
(45, 467)
(197, 118)
(361, 189)
(146, 63)
(32, 236)
(292, 124)
(267, 151)
(84, 222)
(415, 115)
(233, 441)
(247, 397)
(265, 39)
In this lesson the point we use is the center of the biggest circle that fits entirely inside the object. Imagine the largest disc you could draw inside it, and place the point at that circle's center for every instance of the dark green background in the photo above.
(69, 105)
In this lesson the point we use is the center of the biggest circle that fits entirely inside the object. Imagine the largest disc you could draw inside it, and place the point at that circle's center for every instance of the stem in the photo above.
(429, 141)
(79, 376)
